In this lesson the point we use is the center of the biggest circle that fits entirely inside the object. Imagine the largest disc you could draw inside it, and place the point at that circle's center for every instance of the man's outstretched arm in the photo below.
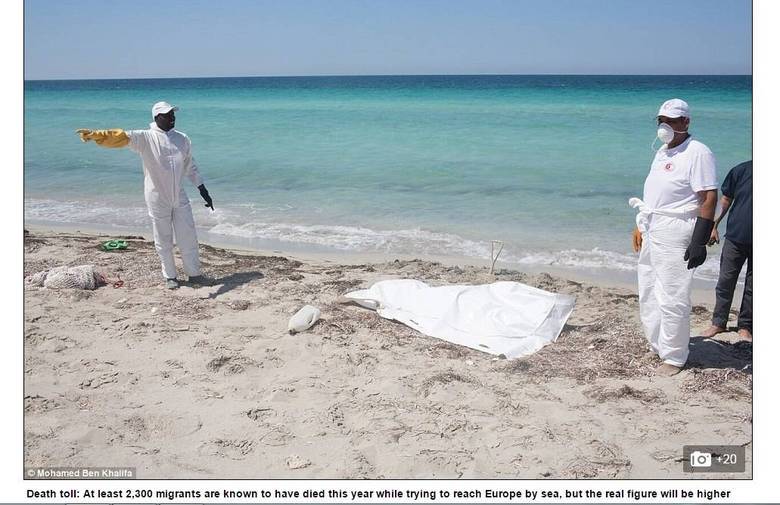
(115, 137)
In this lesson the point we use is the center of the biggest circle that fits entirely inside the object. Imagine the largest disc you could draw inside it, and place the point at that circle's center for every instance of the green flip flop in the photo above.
(114, 245)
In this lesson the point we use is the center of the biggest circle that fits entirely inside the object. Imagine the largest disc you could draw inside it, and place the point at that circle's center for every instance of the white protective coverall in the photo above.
(167, 159)
(666, 220)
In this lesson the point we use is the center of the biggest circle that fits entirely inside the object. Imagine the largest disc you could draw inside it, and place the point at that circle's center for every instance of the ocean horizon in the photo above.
(422, 164)
(306, 76)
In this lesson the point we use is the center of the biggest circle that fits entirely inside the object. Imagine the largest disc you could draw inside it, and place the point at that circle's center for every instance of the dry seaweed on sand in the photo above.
(598, 459)
(231, 364)
(443, 349)
(605, 394)
(223, 262)
(727, 383)
(32, 244)
(336, 321)
(445, 378)
(611, 347)
(186, 308)
(341, 286)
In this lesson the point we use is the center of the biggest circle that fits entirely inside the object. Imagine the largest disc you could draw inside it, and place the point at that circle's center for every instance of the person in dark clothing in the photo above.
(737, 200)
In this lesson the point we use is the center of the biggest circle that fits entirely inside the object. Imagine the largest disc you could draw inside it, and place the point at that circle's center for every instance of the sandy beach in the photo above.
(205, 382)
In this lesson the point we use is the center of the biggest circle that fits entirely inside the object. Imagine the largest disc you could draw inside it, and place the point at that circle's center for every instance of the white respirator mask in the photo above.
(665, 134)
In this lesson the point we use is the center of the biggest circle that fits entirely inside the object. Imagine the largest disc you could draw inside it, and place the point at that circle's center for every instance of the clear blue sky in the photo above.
(81, 39)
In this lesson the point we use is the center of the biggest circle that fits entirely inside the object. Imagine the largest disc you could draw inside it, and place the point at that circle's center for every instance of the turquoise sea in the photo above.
(412, 165)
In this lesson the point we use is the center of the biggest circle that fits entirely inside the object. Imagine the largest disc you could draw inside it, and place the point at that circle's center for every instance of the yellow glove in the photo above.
(106, 138)
(636, 240)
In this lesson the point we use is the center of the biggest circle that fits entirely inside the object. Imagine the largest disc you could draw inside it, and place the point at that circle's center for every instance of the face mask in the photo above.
(665, 134)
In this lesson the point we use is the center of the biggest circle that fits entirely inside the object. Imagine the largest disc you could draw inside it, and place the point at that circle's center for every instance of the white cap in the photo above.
(674, 108)
(162, 108)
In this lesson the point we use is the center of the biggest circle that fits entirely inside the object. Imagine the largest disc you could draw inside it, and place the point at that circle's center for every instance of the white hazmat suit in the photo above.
(666, 219)
(167, 159)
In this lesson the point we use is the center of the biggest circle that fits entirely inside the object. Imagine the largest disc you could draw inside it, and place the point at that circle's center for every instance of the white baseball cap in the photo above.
(674, 108)
(162, 108)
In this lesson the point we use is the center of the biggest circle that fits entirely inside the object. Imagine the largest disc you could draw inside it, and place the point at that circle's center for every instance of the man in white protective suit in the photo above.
(674, 223)
(166, 155)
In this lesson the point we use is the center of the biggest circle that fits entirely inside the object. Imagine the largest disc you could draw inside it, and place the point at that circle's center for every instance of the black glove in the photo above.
(205, 194)
(697, 252)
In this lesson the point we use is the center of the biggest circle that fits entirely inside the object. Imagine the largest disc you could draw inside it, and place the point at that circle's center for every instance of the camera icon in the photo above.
(700, 459)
